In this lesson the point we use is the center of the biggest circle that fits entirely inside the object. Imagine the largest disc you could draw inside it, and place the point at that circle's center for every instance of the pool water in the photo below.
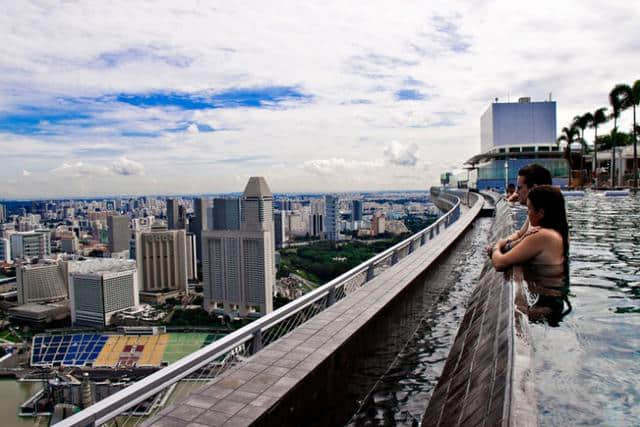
(588, 367)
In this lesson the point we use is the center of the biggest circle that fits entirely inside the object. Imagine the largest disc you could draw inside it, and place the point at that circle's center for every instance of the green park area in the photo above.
(320, 262)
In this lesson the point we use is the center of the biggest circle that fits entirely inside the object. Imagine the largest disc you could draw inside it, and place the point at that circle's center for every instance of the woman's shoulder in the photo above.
(549, 233)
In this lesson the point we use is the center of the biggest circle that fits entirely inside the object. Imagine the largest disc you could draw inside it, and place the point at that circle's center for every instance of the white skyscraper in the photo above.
(100, 288)
(31, 244)
(41, 283)
(162, 260)
(331, 217)
(239, 265)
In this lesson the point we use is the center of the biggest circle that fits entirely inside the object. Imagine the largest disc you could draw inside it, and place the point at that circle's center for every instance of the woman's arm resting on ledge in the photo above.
(527, 249)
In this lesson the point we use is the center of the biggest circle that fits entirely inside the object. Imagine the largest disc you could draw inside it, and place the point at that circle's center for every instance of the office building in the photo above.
(316, 218)
(239, 265)
(119, 234)
(280, 225)
(331, 218)
(356, 210)
(175, 215)
(3, 214)
(31, 244)
(5, 250)
(226, 214)
(378, 224)
(192, 264)
(69, 244)
(100, 288)
(200, 222)
(41, 283)
(162, 261)
(513, 135)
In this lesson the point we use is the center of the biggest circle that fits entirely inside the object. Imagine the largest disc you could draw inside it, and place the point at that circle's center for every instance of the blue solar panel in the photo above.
(67, 338)
(77, 338)
(57, 338)
(48, 358)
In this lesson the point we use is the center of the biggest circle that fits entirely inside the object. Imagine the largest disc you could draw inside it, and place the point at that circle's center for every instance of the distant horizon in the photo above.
(193, 196)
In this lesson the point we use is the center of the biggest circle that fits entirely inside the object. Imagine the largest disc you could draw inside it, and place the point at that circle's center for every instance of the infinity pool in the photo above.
(588, 368)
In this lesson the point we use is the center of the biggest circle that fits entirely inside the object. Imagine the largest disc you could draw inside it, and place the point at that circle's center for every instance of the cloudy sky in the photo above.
(127, 97)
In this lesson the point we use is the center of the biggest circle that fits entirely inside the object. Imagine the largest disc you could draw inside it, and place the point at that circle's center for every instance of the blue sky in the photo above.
(131, 98)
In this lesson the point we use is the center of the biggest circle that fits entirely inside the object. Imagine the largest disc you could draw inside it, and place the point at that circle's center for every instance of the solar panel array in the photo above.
(66, 350)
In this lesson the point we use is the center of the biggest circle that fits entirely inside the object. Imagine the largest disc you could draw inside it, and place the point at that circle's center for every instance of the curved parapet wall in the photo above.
(488, 378)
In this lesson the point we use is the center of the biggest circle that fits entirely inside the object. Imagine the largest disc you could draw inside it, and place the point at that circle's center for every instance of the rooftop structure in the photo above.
(514, 135)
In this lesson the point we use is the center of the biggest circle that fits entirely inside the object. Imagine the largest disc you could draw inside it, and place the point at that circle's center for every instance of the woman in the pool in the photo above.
(546, 243)
(543, 253)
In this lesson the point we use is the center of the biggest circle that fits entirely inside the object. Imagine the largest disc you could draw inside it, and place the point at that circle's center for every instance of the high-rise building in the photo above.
(162, 260)
(239, 265)
(3, 214)
(119, 234)
(356, 210)
(226, 214)
(5, 250)
(200, 223)
(280, 225)
(192, 265)
(316, 225)
(69, 244)
(31, 244)
(172, 214)
(100, 288)
(316, 218)
(378, 224)
(331, 217)
(41, 283)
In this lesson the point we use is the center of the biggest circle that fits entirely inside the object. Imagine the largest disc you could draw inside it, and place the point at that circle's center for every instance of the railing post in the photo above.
(256, 342)
(431, 234)
(411, 247)
(423, 239)
(370, 272)
(394, 257)
(331, 298)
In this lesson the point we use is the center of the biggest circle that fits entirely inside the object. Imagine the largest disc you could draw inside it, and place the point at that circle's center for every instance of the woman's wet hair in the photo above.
(551, 200)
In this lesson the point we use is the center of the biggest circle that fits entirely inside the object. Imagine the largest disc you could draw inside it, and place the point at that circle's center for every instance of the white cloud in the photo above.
(398, 154)
(126, 167)
(454, 53)
(25, 172)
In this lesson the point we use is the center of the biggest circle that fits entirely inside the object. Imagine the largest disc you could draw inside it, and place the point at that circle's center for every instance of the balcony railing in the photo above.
(216, 357)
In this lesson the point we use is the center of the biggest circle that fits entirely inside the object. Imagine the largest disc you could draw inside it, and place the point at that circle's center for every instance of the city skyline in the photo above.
(201, 98)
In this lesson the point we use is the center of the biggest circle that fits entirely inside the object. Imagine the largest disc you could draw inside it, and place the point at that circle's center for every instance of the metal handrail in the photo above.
(114, 405)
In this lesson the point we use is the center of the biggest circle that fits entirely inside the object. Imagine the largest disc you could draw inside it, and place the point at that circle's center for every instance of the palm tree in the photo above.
(569, 135)
(619, 100)
(635, 100)
(581, 122)
(597, 118)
